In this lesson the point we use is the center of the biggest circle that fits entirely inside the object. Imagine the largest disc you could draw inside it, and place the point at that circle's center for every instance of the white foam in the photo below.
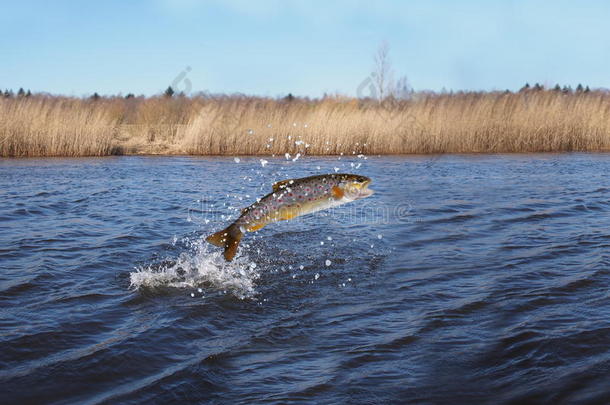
(200, 267)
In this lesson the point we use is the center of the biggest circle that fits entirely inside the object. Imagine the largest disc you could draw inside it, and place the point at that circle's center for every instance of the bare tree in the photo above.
(383, 74)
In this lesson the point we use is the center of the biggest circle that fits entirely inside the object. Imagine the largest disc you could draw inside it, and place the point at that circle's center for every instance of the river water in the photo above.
(463, 279)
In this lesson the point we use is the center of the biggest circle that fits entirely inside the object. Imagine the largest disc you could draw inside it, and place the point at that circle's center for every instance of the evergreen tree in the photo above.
(538, 87)
(579, 88)
(525, 88)
(130, 95)
(557, 87)
(28, 94)
(587, 89)
(95, 96)
(21, 92)
(169, 92)
(289, 97)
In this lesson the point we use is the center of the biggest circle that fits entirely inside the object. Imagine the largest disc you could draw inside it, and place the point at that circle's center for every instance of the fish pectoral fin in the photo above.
(255, 227)
(281, 184)
(337, 192)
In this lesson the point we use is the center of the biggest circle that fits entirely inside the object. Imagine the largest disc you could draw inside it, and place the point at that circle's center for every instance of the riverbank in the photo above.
(475, 122)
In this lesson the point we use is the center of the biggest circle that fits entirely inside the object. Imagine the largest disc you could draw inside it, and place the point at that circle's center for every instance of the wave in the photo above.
(200, 268)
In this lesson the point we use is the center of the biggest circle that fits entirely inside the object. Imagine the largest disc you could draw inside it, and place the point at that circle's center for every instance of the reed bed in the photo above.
(490, 122)
(55, 127)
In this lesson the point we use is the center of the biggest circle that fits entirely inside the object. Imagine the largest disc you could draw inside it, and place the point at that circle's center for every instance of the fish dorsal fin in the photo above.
(282, 184)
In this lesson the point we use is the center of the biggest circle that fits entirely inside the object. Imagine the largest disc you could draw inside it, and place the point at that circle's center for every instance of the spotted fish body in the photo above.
(290, 199)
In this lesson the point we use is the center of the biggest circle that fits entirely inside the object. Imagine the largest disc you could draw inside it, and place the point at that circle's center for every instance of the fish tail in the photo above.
(228, 239)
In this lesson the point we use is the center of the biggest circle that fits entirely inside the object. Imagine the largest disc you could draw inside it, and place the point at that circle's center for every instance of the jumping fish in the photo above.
(290, 199)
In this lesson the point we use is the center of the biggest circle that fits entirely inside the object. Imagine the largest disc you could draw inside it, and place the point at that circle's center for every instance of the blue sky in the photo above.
(310, 47)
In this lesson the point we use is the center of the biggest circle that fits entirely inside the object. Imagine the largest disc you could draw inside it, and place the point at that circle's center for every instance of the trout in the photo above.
(290, 199)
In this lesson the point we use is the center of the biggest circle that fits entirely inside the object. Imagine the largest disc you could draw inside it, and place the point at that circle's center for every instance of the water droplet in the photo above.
(317, 276)
(329, 238)
(379, 236)
(193, 295)
(327, 262)
(236, 159)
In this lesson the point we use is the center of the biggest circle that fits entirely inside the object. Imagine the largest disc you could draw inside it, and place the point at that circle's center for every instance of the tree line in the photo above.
(8, 93)
(565, 89)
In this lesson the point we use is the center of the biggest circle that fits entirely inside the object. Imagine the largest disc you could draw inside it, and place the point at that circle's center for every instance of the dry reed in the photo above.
(41, 126)
(530, 121)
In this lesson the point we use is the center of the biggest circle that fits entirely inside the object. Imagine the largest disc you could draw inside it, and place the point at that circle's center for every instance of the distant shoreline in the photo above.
(533, 120)
(281, 157)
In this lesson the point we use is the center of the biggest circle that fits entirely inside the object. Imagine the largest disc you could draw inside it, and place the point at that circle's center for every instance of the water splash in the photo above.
(200, 267)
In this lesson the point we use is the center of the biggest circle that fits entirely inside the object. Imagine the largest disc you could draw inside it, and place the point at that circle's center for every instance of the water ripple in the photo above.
(494, 287)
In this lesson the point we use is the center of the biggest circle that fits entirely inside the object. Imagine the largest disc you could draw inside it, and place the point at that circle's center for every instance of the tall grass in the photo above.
(530, 121)
(55, 127)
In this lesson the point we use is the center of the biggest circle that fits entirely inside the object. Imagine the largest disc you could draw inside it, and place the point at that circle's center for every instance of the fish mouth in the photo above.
(364, 191)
